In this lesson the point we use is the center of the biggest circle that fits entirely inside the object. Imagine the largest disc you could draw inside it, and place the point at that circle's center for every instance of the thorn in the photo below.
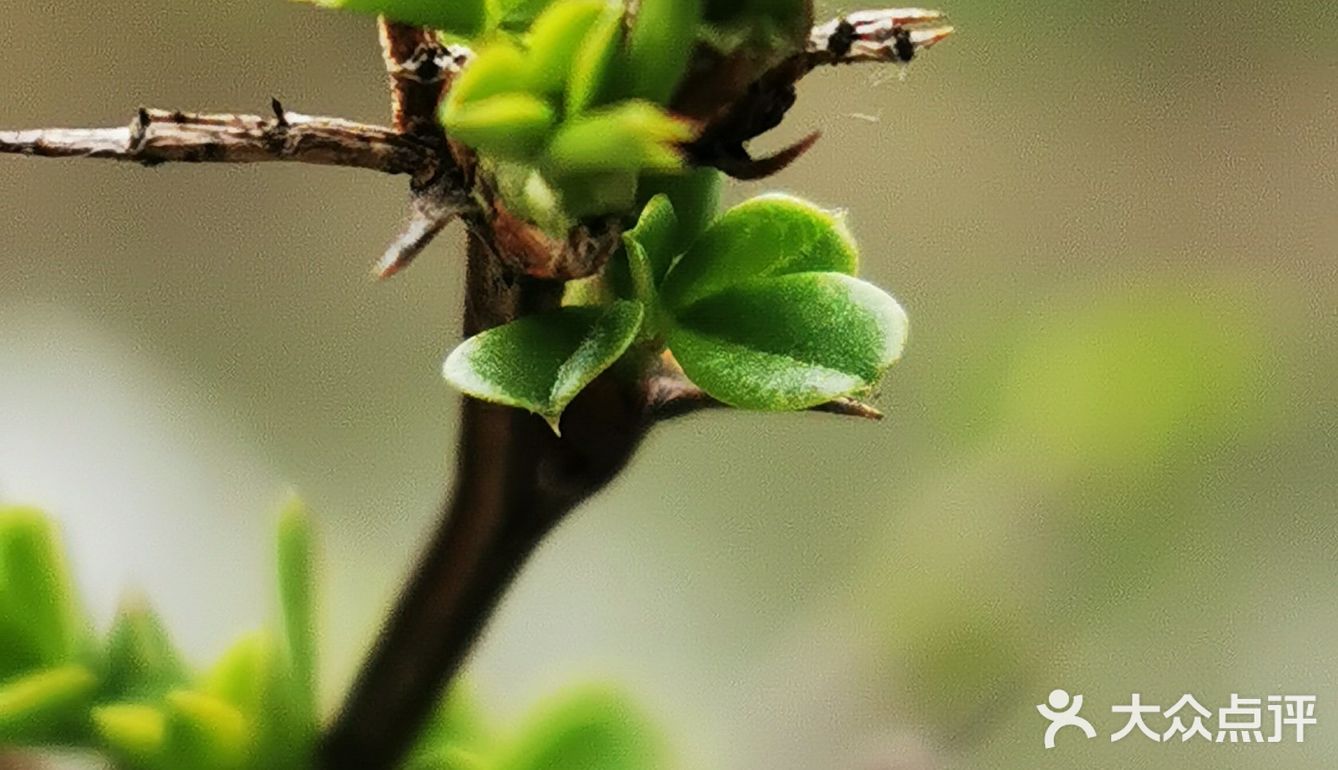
(425, 223)
(748, 169)
(280, 114)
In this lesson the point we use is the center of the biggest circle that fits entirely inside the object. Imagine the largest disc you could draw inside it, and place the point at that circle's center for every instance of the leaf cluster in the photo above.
(567, 102)
(760, 308)
(131, 696)
(568, 105)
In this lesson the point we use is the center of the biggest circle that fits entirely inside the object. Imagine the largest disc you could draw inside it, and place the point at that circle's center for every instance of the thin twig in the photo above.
(893, 35)
(160, 136)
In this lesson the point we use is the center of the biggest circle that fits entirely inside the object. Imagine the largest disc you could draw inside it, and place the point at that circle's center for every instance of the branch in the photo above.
(879, 37)
(895, 35)
(421, 70)
(514, 481)
(159, 136)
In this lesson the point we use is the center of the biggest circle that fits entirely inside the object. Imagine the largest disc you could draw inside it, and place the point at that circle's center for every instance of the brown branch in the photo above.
(514, 481)
(159, 136)
(421, 69)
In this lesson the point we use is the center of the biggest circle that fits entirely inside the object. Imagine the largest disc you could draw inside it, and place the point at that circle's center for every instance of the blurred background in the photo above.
(1109, 463)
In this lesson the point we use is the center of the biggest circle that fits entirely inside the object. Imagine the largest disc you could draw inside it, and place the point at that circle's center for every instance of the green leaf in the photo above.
(38, 612)
(206, 731)
(499, 68)
(770, 235)
(695, 195)
(541, 362)
(646, 253)
(132, 731)
(594, 71)
(242, 675)
(597, 193)
(590, 729)
(457, 17)
(510, 126)
(555, 40)
(296, 587)
(35, 707)
(660, 46)
(631, 136)
(657, 233)
(515, 15)
(446, 757)
(455, 737)
(789, 342)
(141, 660)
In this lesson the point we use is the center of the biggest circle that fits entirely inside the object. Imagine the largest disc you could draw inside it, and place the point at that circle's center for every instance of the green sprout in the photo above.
(130, 696)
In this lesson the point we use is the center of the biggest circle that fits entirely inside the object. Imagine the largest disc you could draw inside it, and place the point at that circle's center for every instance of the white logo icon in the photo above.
(1062, 712)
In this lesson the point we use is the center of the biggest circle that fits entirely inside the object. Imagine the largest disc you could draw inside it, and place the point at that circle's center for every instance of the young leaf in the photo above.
(661, 43)
(141, 661)
(594, 71)
(33, 707)
(206, 731)
(446, 757)
(455, 737)
(657, 233)
(590, 729)
(789, 342)
(296, 581)
(40, 616)
(589, 195)
(242, 676)
(647, 252)
(770, 235)
(515, 15)
(499, 68)
(556, 38)
(541, 362)
(631, 136)
(510, 126)
(464, 18)
(695, 195)
(132, 731)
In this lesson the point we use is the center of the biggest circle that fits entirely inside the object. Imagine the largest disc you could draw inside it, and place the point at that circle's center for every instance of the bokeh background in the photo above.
(1109, 460)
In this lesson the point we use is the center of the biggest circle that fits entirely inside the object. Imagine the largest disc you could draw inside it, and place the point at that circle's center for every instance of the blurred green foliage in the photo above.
(131, 697)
